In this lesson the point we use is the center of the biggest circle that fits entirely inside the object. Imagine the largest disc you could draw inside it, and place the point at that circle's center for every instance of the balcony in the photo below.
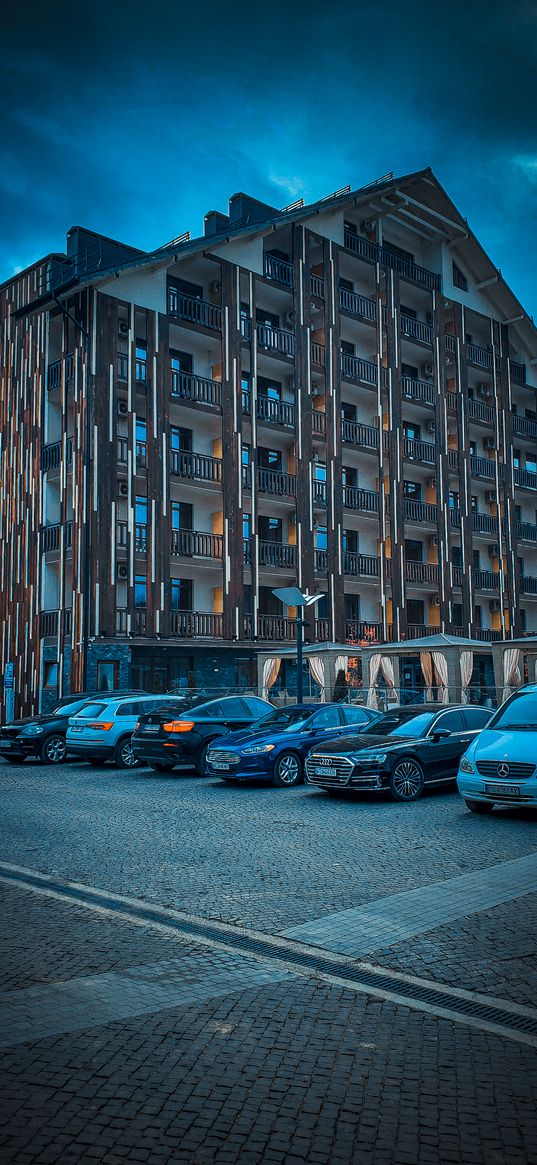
(141, 454)
(196, 466)
(319, 493)
(482, 467)
(275, 340)
(54, 371)
(524, 427)
(418, 630)
(318, 354)
(276, 627)
(194, 311)
(121, 621)
(415, 330)
(356, 369)
(451, 342)
(419, 390)
(358, 306)
(273, 481)
(359, 633)
(518, 372)
(528, 585)
(373, 253)
(486, 580)
(122, 529)
(422, 451)
(419, 512)
(139, 621)
(366, 500)
(366, 436)
(48, 623)
(318, 422)
(123, 450)
(270, 410)
(278, 270)
(526, 531)
(481, 523)
(481, 357)
(317, 286)
(486, 634)
(51, 536)
(422, 572)
(51, 455)
(481, 412)
(525, 479)
(196, 625)
(277, 554)
(196, 389)
(196, 544)
(360, 565)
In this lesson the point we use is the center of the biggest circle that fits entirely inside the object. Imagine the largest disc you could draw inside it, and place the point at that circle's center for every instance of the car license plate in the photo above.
(511, 790)
(76, 728)
(323, 772)
(216, 764)
(150, 727)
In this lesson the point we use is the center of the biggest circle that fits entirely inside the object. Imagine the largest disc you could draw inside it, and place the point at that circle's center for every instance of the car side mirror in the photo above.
(441, 734)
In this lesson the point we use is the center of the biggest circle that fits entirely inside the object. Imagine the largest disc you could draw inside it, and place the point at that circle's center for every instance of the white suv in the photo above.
(102, 730)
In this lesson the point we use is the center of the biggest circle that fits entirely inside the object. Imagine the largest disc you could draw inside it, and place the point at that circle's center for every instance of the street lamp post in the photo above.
(293, 597)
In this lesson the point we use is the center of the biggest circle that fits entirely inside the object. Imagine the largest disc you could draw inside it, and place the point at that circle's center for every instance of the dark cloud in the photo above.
(135, 119)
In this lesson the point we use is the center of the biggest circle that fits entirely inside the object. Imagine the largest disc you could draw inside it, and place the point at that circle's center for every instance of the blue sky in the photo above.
(135, 119)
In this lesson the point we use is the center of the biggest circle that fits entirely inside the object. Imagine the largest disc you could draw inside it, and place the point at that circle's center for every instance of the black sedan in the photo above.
(401, 752)
(166, 742)
(43, 736)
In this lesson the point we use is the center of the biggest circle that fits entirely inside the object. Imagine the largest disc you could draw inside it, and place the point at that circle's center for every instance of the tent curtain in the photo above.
(271, 669)
(387, 669)
(374, 668)
(441, 669)
(467, 667)
(426, 664)
(511, 671)
(341, 664)
(316, 666)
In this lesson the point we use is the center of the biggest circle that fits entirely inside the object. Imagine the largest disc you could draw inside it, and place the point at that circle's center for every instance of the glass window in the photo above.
(70, 707)
(141, 511)
(456, 555)
(321, 538)
(246, 455)
(212, 711)
(457, 614)
(328, 718)
(415, 612)
(285, 719)
(413, 550)
(353, 715)
(267, 318)
(348, 412)
(132, 708)
(449, 721)
(346, 284)
(141, 361)
(459, 280)
(181, 439)
(349, 475)
(180, 361)
(92, 711)
(453, 500)
(519, 713)
(531, 463)
(270, 458)
(347, 348)
(256, 707)
(107, 674)
(246, 525)
(475, 559)
(50, 674)
(141, 429)
(181, 594)
(412, 490)
(401, 723)
(235, 709)
(140, 590)
(270, 388)
(181, 516)
(412, 431)
(350, 541)
(319, 471)
(476, 717)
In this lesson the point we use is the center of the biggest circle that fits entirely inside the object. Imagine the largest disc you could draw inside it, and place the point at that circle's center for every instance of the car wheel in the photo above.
(202, 756)
(288, 770)
(53, 750)
(124, 757)
(160, 766)
(479, 806)
(407, 780)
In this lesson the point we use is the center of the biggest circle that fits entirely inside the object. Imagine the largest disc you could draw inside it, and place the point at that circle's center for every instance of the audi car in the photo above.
(167, 741)
(500, 767)
(276, 747)
(401, 753)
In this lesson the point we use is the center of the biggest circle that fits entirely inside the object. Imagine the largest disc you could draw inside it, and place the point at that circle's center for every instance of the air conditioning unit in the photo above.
(494, 551)
(432, 540)
(290, 318)
(483, 390)
(368, 226)
(427, 369)
(123, 408)
(494, 605)
(490, 496)
(215, 286)
(489, 443)
(123, 327)
(436, 600)
(431, 482)
(122, 572)
(123, 489)
(431, 426)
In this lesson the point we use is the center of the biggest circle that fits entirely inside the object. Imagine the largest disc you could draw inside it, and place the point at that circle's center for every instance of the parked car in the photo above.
(103, 728)
(167, 742)
(500, 767)
(276, 747)
(44, 736)
(401, 752)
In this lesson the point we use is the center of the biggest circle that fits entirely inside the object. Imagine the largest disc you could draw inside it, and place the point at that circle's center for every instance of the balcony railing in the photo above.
(420, 451)
(276, 627)
(373, 253)
(121, 621)
(482, 467)
(54, 371)
(525, 427)
(196, 625)
(354, 433)
(201, 390)
(48, 623)
(360, 565)
(278, 269)
(195, 311)
(418, 630)
(354, 368)
(319, 492)
(51, 536)
(359, 632)
(525, 479)
(355, 498)
(51, 455)
(123, 450)
(451, 342)
(273, 481)
(528, 585)
(518, 372)
(276, 340)
(122, 529)
(322, 630)
(416, 330)
(422, 572)
(481, 523)
(140, 372)
(196, 466)
(486, 634)
(197, 544)
(358, 305)
(526, 531)
(139, 621)
(418, 390)
(481, 412)
(483, 357)
(277, 554)
(275, 412)
(318, 422)
(317, 286)
(420, 512)
(318, 354)
(486, 580)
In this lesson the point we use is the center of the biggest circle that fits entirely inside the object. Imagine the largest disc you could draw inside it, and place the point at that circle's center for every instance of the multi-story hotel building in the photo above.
(341, 395)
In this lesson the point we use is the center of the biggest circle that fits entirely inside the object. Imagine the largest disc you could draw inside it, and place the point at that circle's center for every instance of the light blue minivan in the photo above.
(500, 766)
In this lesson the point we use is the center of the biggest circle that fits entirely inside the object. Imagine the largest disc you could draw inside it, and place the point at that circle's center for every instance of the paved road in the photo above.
(148, 1019)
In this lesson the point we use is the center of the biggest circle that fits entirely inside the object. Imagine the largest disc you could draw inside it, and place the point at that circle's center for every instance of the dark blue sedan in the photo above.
(274, 749)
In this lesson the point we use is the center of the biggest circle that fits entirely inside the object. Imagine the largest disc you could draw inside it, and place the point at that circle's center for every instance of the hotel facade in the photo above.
(340, 395)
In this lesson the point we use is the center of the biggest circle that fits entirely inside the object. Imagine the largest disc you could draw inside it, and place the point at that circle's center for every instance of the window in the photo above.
(180, 361)
(212, 711)
(193, 289)
(529, 414)
(350, 541)
(351, 228)
(475, 504)
(141, 511)
(349, 475)
(234, 709)
(456, 555)
(256, 707)
(319, 471)
(92, 711)
(274, 253)
(459, 280)
(409, 370)
(181, 439)
(348, 412)
(531, 463)
(452, 721)
(478, 616)
(393, 249)
(412, 490)
(321, 538)
(346, 284)
(50, 674)
(475, 560)
(453, 500)
(268, 319)
(140, 590)
(415, 612)
(457, 614)
(409, 311)
(107, 674)
(133, 708)
(476, 718)
(270, 529)
(328, 718)
(353, 715)
(270, 458)
(472, 448)
(347, 348)
(412, 431)
(352, 608)
(246, 526)
(141, 430)
(141, 361)
(182, 516)
(270, 388)
(413, 550)
(181, 594)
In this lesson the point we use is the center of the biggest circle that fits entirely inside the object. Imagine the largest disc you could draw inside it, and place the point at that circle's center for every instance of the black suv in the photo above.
(166, 741)
(43, 736)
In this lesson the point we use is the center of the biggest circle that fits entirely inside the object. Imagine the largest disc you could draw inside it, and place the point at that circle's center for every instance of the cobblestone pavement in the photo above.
(249, 1064)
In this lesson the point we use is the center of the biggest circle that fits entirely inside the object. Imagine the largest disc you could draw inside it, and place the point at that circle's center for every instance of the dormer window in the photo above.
(459, 279)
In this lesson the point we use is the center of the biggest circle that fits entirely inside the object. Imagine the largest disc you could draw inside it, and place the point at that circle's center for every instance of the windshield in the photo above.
(400, 723)
(69, 709)
(520, 713)
(284, 720)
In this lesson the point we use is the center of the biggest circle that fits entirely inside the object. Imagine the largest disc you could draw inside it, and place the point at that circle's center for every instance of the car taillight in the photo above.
(178, 726)
(101, 725)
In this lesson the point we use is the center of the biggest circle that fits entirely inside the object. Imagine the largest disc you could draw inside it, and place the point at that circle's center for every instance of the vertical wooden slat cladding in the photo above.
(82, 392)
(464, 487)
(508, 542)
(303, 438)
(233, 605)
(334, 486)
(442, 463)
(158, 473)
(383, 459)
(395, 447)
(105, 462)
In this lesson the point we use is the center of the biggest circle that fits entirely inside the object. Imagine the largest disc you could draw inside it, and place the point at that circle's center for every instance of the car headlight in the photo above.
(359, 757)
(466, 765)
(257, 748)
(32, 730)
